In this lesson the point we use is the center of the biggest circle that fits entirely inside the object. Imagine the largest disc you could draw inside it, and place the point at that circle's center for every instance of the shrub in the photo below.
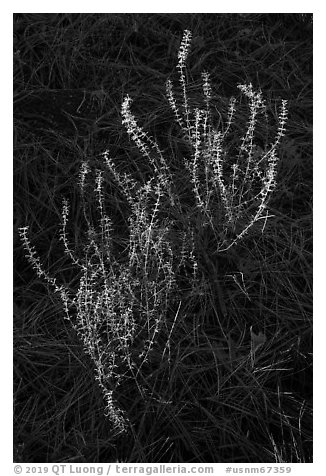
(121, 307)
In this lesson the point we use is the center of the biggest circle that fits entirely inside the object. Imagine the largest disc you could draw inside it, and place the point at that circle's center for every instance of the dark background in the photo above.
(71, 73)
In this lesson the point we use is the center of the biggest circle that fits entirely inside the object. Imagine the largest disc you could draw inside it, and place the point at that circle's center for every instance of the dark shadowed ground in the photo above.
(71, 74)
